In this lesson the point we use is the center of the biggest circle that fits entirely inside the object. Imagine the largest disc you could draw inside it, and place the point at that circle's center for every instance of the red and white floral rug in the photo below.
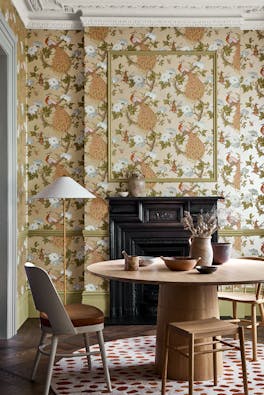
(131, 363)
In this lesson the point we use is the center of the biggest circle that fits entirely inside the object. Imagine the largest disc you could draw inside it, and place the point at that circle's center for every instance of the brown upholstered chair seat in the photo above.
(80, 315)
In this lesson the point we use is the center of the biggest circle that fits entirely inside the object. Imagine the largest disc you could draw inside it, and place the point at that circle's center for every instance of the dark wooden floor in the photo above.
(17, 355)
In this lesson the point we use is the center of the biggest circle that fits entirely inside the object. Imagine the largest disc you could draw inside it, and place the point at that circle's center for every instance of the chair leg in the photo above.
(234, 306)
(215, 361)
(54, 344)
(87, 348)
(191, 363)
(243, 358)
(261, 310)
(254, 331)
(104, 360)
(38, 355)
(165, 362)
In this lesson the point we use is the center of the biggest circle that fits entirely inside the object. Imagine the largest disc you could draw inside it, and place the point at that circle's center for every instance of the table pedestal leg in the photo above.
(185, 303)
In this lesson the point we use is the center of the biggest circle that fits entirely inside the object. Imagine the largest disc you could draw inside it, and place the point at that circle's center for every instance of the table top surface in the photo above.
(235, 271)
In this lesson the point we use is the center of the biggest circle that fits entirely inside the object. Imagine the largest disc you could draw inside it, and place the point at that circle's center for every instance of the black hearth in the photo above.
(147, 226)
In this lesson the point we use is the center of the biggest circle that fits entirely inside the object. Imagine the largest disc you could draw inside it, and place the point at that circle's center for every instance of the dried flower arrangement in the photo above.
(206, 223)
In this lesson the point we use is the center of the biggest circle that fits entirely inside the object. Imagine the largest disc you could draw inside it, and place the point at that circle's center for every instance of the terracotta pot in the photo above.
(201, 247)
(221, 252)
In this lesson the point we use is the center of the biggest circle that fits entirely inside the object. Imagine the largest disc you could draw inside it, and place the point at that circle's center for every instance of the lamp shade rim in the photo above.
(64, 188)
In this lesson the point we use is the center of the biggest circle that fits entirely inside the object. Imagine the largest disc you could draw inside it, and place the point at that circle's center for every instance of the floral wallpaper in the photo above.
(162, 114)
(16, 25)
(55, 147)
(252, 130)
(240, 148)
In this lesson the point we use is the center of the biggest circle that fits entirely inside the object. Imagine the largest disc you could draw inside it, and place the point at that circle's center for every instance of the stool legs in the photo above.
(165, 362)
(234, 305)
(215, 361)
(243, 358)
(254, 331)
(191, 363)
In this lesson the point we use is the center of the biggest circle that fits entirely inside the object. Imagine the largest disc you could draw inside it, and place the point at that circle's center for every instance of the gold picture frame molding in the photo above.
(111, 54)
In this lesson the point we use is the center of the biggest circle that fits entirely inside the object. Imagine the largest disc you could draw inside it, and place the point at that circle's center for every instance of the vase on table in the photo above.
(201, 247)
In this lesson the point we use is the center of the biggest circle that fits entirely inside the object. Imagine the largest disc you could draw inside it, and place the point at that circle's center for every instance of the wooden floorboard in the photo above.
(17, 355)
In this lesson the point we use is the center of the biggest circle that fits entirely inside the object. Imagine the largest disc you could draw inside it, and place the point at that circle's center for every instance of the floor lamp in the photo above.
(64, 188)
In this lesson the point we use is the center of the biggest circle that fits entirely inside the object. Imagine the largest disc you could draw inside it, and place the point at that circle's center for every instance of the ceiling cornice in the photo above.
(77, 14)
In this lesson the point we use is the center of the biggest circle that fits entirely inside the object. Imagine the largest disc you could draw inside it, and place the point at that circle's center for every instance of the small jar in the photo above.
(133, 263)
(136, 185)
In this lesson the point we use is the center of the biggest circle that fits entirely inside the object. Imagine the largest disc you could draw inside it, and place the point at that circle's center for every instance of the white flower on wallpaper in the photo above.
(36, 224)
(90, 287)
(54, 83)
(54, 142)
(54, 258)
(90, 50)
(91, 171)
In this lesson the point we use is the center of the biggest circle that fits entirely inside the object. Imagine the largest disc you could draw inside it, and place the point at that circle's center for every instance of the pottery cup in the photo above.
(221, 252)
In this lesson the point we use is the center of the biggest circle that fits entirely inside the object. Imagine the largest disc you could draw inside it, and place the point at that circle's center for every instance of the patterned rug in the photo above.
(131, 363)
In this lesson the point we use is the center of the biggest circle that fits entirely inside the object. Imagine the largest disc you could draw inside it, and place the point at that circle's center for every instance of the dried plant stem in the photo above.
(206, 223)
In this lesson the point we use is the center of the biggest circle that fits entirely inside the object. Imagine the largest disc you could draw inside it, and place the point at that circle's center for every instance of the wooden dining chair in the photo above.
(255, 298)
(57, 320)
(200, 329)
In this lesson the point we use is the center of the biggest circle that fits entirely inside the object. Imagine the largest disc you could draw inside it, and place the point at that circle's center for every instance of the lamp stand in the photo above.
(64, 188)
(64, 253)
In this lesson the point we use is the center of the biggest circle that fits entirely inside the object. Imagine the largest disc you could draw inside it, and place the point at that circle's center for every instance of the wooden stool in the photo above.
(193, 330)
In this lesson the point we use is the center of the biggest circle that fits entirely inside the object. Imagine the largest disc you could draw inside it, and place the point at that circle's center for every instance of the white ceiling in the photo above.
(76, 14)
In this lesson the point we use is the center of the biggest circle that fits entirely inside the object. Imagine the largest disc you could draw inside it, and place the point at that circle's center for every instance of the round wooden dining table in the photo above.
(184, 296)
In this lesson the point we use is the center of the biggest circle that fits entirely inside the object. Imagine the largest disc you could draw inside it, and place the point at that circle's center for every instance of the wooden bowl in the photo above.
(180, 262)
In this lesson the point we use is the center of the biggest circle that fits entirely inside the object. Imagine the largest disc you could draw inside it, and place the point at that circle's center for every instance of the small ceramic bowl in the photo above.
(180, 262)
(147, 260)
(123, 193)
(206, 269)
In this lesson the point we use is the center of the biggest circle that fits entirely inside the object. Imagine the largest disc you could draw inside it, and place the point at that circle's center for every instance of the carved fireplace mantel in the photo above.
(147, 226)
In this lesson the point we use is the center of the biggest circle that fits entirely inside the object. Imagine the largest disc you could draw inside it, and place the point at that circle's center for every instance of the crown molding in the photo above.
(157, 22)
(77, 14)
(51, 24)
(150, 4)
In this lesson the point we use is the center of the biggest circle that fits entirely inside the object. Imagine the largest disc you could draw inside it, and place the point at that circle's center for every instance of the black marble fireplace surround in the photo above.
(147, 226)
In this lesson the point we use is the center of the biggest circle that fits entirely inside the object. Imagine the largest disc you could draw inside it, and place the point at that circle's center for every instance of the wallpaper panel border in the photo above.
(212, 55)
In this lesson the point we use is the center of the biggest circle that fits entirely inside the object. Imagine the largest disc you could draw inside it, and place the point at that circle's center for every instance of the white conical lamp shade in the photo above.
(64, 188)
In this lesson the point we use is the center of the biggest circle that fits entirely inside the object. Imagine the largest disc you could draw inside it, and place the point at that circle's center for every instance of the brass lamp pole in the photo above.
(64, 188)
(64, 253)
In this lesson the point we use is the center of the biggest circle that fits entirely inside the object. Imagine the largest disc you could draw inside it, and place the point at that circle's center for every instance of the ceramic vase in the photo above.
(136, 185)
(201, 247)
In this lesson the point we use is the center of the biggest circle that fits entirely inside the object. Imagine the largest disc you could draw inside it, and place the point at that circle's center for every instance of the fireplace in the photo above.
(147, 226)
